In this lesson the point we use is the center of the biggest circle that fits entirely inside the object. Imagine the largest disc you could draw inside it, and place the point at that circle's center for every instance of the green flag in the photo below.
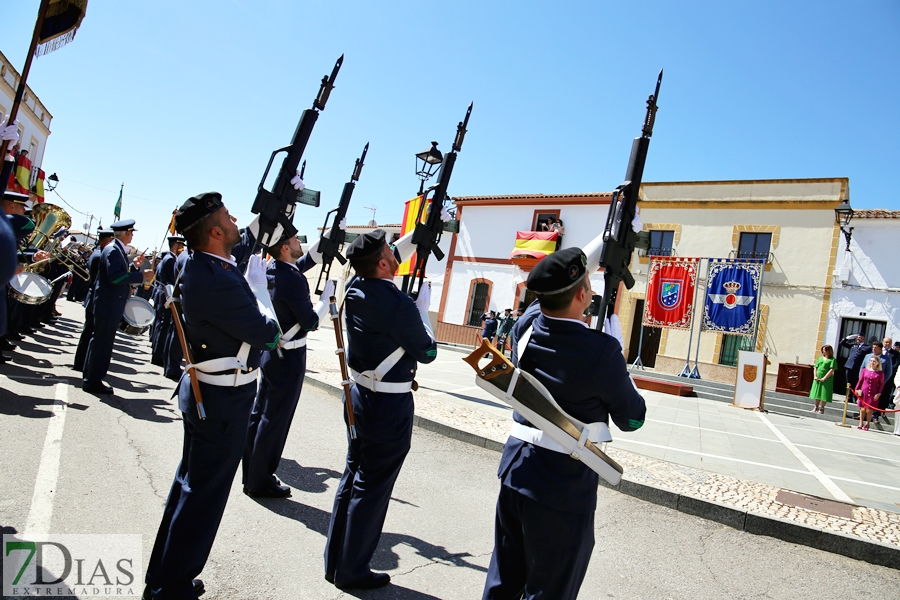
(118, 210)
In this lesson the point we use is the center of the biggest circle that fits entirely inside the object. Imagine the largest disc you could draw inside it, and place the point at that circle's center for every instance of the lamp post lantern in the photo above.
(53, 182)
(427, 163)
(843, 214)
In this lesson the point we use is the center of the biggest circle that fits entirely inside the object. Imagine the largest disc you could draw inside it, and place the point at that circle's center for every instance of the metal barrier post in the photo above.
(843, 422)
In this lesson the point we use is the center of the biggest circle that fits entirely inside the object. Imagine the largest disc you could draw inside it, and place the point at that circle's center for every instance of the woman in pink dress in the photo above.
(868, 390)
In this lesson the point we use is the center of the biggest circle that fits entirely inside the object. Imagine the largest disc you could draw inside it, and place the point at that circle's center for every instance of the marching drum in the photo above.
(30, 288)
(138, 316)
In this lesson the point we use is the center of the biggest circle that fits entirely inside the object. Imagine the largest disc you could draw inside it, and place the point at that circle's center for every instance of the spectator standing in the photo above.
(823, 384)
(489, 326)
(868, 390)
(504, 327)
(887, 367)
(858, 350)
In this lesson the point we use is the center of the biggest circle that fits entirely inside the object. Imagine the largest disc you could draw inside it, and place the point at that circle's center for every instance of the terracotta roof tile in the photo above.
(530, 196)
(876, 213)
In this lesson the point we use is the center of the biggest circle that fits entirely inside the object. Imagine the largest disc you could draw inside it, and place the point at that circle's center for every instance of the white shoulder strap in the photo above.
(523, 342)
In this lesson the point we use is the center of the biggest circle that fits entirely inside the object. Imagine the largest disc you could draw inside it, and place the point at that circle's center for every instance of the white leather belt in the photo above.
(241, 375)
(370, 383)
(236, 379)
(293, 344)
(597, 433)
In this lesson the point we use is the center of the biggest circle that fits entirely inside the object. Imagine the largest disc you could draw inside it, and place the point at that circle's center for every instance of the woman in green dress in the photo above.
(823, 384)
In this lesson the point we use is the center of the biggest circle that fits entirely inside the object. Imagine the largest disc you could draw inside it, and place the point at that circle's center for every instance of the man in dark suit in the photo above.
(111, 292)
(227, 334)
(282, 376)
(858, 350)
(544, 524)
(104, 237)
(388, 334)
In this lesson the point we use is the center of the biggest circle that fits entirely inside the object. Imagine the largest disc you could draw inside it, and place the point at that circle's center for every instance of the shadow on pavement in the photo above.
(143, 409)
(385, 559)
(305, 479)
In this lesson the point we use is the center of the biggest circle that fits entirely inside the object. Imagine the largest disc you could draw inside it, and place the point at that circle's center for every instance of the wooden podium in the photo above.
(794, 379)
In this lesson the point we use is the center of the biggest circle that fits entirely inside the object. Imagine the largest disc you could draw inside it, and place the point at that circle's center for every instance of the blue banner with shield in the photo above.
(732, 297)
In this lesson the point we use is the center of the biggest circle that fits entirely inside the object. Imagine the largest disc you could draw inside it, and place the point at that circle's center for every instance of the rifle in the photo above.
(427, 235)
(332, 241)
(276, 207)
(174, 304)
(346, 382)
(618, 237)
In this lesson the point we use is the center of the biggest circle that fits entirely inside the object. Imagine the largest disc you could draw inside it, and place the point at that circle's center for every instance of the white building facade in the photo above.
(866, 291)
(34, 118)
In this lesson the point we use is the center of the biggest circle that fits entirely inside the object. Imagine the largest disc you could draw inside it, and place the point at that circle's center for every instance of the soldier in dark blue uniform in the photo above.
(8, 264)
(172, 353)
(227, 333)
(387, 336)
(282, 377)
(544, 525)
(104, 237)
(111, 292)
(165, 275)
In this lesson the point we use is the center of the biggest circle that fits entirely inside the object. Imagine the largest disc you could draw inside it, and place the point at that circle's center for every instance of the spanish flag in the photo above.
(410, 214)
(172, 223)
(535, 244)
(39, 186)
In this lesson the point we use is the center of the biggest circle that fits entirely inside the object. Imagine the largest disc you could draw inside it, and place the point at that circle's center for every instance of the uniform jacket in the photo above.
(7, 264)
(220, 314)
(857, 352)
(114, 278)
(289, 290)
(381, 318)
(586, 374)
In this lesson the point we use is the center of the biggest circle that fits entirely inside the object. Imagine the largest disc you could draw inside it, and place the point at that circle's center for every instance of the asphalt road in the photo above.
(116, 457)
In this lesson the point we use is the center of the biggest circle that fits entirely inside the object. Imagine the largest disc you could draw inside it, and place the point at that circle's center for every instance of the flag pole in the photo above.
(638, 363)
(20, 93)
(695, 372)
(686, 371)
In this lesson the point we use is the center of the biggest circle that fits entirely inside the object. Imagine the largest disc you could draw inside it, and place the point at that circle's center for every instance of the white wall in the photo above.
(867, 279)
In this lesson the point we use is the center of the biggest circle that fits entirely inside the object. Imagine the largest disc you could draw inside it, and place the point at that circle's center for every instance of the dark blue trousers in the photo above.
(384, 430)
(100, 349)
(86, 333)
(273, 411)
(538, 551)
(158, 337)
(210, 455)
(173, 355)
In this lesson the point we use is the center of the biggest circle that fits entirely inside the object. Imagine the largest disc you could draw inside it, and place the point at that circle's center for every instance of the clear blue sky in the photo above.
(177, 98)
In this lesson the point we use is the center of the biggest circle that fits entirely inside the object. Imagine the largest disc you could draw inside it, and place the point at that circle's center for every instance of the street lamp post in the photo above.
(427, 163)
(843, 214)
(53, 182)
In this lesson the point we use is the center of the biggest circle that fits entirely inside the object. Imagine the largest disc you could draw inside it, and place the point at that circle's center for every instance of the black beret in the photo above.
(21, 225)
(196, 208)
(123, 225)
(366, 245)
(558, 272)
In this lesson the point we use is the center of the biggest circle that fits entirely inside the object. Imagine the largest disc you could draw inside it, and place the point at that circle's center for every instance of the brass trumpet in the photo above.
(60, 254)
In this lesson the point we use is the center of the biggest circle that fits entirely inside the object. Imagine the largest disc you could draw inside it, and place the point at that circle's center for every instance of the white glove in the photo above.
(636, 221)
(9, 132)
(321, 307)
(254, 229)
(343, 224)
(445, 214)
(314, 253)
(328, 290)
(423, 301)
(256, 272)
(611, 327)
(297, 183)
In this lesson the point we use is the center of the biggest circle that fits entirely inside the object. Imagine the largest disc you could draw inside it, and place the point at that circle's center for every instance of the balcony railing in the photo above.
(764, 257)
(656, 252)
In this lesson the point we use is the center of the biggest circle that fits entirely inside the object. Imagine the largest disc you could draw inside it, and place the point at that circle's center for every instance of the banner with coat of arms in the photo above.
(732, 297)
(670, 292)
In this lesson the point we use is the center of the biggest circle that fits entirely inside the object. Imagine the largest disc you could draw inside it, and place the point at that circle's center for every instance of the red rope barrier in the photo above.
(869, 406)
